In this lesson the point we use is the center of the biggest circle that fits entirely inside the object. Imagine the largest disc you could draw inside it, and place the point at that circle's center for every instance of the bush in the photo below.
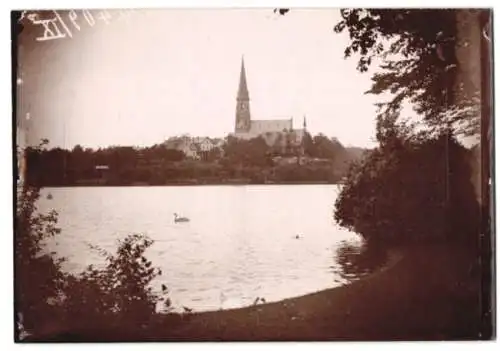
(411, 192)
(119, 294)
(51, 302)
(38, 276)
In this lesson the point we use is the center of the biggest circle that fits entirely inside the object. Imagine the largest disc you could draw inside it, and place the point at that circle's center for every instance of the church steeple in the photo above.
(243, 119)
(243, 89)
(305, 124)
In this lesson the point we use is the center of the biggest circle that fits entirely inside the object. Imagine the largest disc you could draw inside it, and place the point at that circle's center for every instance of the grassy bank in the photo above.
(428, 293)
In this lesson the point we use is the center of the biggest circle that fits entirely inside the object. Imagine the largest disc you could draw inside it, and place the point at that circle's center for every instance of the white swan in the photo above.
(180, 219)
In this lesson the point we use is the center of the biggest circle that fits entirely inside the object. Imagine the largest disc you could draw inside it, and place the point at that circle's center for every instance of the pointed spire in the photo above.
(242, 89)
(305, 124)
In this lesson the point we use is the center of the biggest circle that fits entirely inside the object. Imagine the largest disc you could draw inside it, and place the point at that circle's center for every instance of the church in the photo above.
(273, 131)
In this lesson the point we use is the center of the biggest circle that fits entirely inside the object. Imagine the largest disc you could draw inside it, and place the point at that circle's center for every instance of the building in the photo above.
(204, 144)
(183, 143)
(193, 147)
(273, 131)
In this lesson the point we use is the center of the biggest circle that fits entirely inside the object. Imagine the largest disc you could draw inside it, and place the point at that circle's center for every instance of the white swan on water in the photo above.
(180, 219)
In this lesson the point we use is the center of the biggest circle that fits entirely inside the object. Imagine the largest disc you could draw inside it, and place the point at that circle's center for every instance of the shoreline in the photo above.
(393, 257)
(419, 294)
(422, 293)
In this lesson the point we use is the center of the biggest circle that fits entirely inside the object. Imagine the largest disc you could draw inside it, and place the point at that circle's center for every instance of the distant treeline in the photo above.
(320, 160)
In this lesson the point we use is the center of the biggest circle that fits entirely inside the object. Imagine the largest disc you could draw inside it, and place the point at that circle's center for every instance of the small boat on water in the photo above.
(49, 196)
(178, 219)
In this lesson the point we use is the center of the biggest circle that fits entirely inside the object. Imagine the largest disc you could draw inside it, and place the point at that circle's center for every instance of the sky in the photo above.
(140, 79)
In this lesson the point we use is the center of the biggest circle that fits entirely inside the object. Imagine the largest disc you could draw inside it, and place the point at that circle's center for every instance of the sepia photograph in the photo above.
(253, 174)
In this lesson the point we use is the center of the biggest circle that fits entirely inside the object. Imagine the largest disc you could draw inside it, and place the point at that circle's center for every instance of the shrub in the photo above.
(38, 276)
(411, 192)
(120, 293)
(51, 302)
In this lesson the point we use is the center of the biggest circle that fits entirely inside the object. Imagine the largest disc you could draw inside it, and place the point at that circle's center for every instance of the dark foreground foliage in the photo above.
(38, 276)
(413, 192)
(423, 58)
(50, 302)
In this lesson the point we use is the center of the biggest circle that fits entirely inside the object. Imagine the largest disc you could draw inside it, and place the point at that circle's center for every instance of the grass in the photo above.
(429, 293)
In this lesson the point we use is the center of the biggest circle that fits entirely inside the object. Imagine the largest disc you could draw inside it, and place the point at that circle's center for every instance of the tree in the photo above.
(253, 152)
(38, 276)
(411, 192)
(417, 50)
(214, 154)
(326, 148)
(308, 144)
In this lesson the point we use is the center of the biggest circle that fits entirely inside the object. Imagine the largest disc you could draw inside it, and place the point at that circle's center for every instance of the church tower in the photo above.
(242, 104)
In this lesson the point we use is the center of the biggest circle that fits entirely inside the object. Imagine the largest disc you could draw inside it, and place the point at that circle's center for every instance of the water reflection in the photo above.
(356, 259)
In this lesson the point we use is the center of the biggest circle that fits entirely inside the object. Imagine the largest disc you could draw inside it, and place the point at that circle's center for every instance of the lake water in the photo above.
(239, 244)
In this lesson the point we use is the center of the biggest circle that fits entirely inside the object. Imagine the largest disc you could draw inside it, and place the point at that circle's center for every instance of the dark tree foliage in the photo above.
(419, 52)
(308, 144)
(38, 276)
(323, 147)
(120, 293)
(158, 165)
(125, 165)
(412, 192)
(307, 173)
(212, 155)
(253, 152)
